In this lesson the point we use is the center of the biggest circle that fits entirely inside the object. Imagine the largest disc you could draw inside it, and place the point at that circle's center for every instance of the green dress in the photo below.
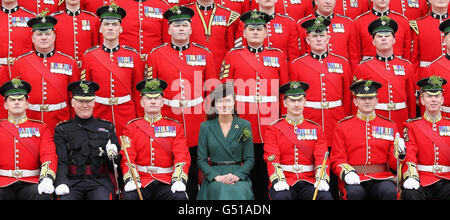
(214, 145)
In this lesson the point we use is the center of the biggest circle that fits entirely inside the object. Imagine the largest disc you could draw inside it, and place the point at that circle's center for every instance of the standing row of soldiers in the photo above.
(257, 69)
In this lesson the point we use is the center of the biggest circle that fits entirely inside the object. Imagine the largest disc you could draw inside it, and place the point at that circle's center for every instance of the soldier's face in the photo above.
(9, 1)
(72, 2)
(366, 105)
(255, 35)
(152, 106)
(318, 41)
(225, 105)
(432, 103)
(447, 42)
(380, 4)
(111, 29)
(294, 107)
(83, 108)
(43, 40)
(325, 7)
(180, 31)
(16, 107)
(266, 3)
(439, 3)
(383, 41)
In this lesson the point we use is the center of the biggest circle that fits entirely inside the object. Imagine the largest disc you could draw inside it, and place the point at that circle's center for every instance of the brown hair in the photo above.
(220, 92)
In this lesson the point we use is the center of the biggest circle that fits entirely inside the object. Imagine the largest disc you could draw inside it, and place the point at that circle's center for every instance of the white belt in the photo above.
(445, 109)
(4, 61)
(19, 173)
(297, 168)
(154, 170)
(113, 101)
(424, 63)
(255, 99)
(390, 106)
(183, 103)
(47, 107)
(433, 168)
(324, 105)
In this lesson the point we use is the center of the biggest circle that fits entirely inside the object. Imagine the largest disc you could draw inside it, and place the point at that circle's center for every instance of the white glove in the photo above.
(178, 186)
(130, 186)
(411, 183)
(352, 178)
(46, 186)
(111, 150)
(323, 185)
(280, 186)
(62, 189)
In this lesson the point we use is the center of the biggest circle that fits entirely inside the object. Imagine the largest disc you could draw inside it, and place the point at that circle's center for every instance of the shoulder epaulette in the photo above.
(362, 15)
(63, 122)
(91, 49)
(129, 48)
(25, 54)
(304, 19)
(276, 121)
(274, 48)
(223, 7)
(88, 12)
(437, 59)
(368, 59)
(237, 48)
(4, 119)
(302, 56)
(27, 10)
(337, 55)
(201, 46)
(414, 26)
(171, 119)
(189, 4)
(38, 121)
(162, 45)
(446, 117)
(66, 55)
(312, 122)
(57, 13)
(396, 13)
(343, 16)
(346, 118)
(385, 118)
(424, 16)
(133, 120)
(413, 119)
(234, 16)
(285, 16)
(401, 58)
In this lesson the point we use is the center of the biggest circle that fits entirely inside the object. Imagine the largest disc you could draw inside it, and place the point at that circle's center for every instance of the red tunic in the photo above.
(352, 8)
(441, 67)
(329, 79)
(49, 76)
(296, 9)
(93, 5)
(148, 150)
(33, 152)
(412, 9)
(283, 147)
(257, 77)
(117, 71)
(239, 6)
(187, 72)
(37, 6)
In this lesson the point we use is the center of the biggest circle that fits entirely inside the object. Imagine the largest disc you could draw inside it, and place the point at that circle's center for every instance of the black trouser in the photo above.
(155, 191)
(259, 175)
(439, 190)
(192, 183)
(372, 190)
(22, 191)
(301, 190)
(90, 188)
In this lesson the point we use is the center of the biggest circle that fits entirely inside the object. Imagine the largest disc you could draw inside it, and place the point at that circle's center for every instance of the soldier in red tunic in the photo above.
(411, 9)
(116, 68)
(441, 67)
(38, 6)
(352, 8)
(296, 9)
(256, 71)
(363, 151)
(396, 100)
(189, 69)
(93, 5)
(380, 8)
(28, 162)
(294, 150)
(49, 71)
(157, 149)
(76, 31)
(343, 39)
(14, 32)
(427, 165)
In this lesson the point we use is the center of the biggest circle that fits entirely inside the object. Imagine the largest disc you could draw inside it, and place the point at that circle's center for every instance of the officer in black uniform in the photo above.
(86, 146)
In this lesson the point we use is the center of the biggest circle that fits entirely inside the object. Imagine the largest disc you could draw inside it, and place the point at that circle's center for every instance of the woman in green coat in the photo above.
(225, 150)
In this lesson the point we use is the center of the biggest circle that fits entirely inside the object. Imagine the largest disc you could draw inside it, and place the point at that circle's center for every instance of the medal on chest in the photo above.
(126, 62)
(444, 130)
(413, 3)
(61, 68)
(278, 28)
(335, 68)
(49, 2)
(294, 2)
(85, 25)
(399, 70)
(219, 20)
(29, 132)
(383, 133)
(338, 28)
(354, 3)
(271, 61)
(165, 131)
(196, 60)
(306, 134)
(153, 12)
(19, 21)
